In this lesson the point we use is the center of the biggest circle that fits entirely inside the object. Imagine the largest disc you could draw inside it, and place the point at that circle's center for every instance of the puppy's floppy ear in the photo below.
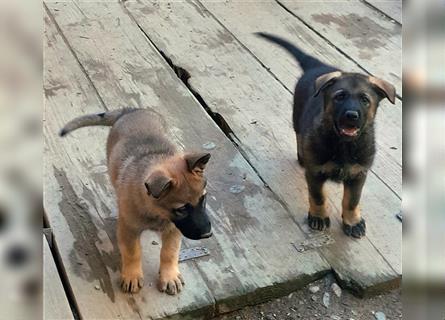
(158, 184)
(385, 88)
(325, 80)
(196, 161)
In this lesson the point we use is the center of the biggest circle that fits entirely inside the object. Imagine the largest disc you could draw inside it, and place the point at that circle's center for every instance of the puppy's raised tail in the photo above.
(306, 61)
(97, 119)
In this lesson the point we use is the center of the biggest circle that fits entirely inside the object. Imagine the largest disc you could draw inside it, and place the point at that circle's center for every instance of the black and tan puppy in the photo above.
(157, 188)
(333, 118)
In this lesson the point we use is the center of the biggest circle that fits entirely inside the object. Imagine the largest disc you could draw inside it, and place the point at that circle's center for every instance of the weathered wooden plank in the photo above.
(392, 8)
(56, 305)
(250, 261)
(81, 209)
(258, 110)
(243, 19)
(369, 38)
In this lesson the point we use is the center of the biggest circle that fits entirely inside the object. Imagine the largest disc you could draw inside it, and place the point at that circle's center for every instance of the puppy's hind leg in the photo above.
(318, 217)
(170, 279)
(130, 248)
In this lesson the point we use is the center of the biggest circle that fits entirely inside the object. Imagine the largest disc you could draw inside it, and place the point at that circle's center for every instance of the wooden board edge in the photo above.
(264, 294)
(368, 289)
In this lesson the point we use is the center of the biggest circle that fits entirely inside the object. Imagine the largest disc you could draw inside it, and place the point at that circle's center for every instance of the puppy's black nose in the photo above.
(352, 115)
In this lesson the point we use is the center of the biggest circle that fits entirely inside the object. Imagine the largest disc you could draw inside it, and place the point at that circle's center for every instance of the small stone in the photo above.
(314, 298)
(326, 298)
(237, 188)
(380, 315)
(335, 318)
(290, 296)
(314, 289)
(96, 287)
(353, 312)
(336, 288)
(209, 145)
(238, 317)
(300, 302)
(155, 243)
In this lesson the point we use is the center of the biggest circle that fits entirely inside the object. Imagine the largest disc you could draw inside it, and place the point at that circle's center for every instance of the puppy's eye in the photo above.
(181, 211)
(340, 96)
(364, 100)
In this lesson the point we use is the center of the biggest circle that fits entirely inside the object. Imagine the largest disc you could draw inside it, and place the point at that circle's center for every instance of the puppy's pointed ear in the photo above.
(196, 162)
(384, 88)
(158, 184)
(325, 80)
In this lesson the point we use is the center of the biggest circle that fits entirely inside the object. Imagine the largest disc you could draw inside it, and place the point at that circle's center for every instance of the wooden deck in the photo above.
(107, 54)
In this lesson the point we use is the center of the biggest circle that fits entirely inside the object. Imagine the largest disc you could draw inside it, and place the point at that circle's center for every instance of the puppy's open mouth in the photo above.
(347, 130)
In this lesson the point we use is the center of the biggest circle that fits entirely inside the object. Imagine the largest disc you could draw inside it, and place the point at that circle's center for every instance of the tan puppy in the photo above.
(157, 188)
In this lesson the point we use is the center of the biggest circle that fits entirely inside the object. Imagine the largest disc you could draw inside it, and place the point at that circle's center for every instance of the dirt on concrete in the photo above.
(324, 303)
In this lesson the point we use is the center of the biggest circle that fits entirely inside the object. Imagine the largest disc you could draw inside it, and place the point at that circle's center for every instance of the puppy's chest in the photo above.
(154, 222)
(339, 171)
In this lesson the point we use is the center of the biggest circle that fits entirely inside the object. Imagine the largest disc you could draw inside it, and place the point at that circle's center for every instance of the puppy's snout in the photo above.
(352, 115)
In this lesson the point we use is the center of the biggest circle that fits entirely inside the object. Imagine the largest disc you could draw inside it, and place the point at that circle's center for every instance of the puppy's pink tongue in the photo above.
(351, 132)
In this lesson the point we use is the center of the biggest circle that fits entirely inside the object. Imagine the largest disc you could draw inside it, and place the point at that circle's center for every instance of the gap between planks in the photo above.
(54, 254)
(382, 11)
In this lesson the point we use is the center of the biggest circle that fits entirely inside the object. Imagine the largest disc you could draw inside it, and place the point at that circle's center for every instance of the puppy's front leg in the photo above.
(353, 224)
(170, 280)
(318, 216)
(130, 249)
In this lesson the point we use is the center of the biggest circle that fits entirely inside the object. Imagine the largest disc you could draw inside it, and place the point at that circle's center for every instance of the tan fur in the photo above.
(139, 154)
(351, 215)
(317, 210)
(129, 170)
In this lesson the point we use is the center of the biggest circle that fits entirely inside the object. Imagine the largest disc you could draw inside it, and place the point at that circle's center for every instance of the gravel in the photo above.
(303, 304)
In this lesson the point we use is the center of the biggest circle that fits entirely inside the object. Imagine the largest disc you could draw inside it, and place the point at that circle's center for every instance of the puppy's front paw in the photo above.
(317, 223)
(132, 283)
(357, 230)
(170, 282)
